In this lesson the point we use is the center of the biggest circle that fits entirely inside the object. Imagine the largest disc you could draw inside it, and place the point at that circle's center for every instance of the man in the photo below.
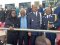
(34, 22)
(23, 25)
(12, 22)
(49, 19)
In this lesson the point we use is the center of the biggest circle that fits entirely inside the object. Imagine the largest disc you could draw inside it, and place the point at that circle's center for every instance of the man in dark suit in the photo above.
(23, 25)
(49, 19)
(34, 22)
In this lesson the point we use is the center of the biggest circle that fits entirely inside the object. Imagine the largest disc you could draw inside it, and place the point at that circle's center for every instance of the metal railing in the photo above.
(32, 30)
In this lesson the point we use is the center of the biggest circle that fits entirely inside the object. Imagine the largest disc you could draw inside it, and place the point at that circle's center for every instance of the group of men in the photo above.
(32, 20)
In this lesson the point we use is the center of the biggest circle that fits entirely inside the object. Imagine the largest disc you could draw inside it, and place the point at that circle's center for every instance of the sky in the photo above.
(16, 2)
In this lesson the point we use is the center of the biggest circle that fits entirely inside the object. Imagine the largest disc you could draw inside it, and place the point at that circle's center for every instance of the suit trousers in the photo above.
(33, 37)
(23, 36)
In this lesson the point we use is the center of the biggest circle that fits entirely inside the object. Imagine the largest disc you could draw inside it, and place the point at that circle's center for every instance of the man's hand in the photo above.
(50, 25)
(29, 33)
(11, 28)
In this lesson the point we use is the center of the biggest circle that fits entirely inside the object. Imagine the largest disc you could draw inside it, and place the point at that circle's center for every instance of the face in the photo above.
(22, 12)
(48, 11)
(13, 13)
(34, 8)
(40, 5)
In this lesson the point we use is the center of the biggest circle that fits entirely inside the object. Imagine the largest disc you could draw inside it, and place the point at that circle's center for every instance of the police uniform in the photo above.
(34, 22)
(50, 19)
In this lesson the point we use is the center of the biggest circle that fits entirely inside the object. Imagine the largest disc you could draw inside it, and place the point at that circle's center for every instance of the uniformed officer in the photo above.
(49, 19)
(34, 22)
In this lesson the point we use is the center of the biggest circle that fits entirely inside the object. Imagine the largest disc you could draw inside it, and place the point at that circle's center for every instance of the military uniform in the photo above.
(34, 22)
(50, 19)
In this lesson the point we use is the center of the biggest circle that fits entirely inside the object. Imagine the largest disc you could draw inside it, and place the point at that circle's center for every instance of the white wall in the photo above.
(16, 2)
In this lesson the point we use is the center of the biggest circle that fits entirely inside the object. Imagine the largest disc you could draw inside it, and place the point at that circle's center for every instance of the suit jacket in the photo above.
(34, 21)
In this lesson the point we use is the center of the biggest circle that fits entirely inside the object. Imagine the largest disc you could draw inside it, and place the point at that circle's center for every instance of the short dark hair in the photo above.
(40, 40)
